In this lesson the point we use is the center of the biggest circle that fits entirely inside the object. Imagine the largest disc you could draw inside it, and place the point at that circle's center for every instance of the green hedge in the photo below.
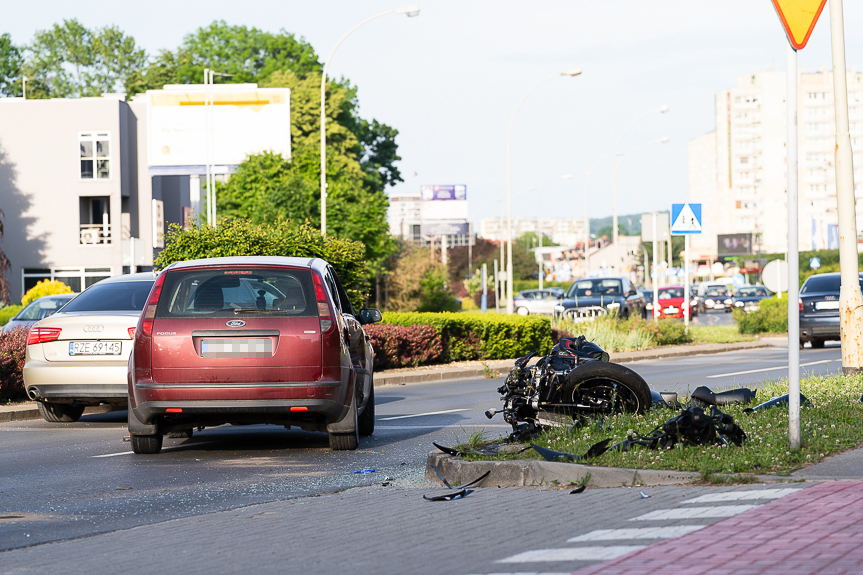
(9, 312)
(241, 238)
(467, 336)
(770, 317)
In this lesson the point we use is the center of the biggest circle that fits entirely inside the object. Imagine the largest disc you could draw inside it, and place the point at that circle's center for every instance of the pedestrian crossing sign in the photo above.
(685, 219)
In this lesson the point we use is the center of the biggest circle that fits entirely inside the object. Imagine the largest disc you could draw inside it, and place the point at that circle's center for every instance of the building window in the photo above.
(75, 278)
(95, 221)
(95, 153)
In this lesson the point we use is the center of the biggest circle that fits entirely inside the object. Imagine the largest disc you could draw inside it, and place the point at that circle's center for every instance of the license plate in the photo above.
(237, 347)
(95, 347)
(671, 310)
(718, 306)
(826, 305)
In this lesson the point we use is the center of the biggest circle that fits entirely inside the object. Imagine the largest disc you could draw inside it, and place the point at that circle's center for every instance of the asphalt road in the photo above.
(62, 481)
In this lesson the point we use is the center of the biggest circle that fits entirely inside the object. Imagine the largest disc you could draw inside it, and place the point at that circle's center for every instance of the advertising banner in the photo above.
(443, 193)
(734, 244)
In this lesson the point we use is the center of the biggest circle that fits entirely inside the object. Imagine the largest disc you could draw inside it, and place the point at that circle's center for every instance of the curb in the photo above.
(444, 372)
(29, 411)
(534, 473)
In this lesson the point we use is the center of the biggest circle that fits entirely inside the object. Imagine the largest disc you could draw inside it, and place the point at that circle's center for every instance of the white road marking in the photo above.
(114, 454)
(694, 512)
(422, 414)
(771, 368)
(636, 533)
(573, 554)
(741, 495)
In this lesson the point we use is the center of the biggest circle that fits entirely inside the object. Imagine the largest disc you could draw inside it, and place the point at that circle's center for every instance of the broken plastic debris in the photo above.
(780, 401)
(579, 489)
(365, 471)
(742, 395)
(449, 496)
(593, 451)
(448, 450)
(445, 482)
(644, 495)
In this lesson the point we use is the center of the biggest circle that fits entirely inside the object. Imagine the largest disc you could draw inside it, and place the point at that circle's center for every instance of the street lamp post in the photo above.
(660, 110)
(410, 12)
(509, 295)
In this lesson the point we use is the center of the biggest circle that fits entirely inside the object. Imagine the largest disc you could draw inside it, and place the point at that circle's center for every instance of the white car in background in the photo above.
(79, 356)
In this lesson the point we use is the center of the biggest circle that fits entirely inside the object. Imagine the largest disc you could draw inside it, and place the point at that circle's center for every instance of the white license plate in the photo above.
(718, 306)
(826, 305)
(95, 347)
(671, 310)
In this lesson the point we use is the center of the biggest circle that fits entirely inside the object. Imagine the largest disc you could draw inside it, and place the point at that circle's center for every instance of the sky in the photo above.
(451, 79)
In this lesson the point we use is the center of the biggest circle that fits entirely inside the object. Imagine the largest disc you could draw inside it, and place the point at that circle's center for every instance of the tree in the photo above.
(248, 54)
(10, 67)
(70, 60)
(5, 294)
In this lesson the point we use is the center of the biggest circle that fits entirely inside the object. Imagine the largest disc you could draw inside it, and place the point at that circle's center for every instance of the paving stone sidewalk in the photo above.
(816, 530)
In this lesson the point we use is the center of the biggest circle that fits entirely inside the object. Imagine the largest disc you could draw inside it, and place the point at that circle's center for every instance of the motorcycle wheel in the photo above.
(611, 384)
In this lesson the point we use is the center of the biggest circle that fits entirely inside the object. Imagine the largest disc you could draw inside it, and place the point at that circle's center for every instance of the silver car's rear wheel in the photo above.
(60, 412)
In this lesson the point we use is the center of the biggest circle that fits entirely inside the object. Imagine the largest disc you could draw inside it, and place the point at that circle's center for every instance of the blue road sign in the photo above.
(685, 219)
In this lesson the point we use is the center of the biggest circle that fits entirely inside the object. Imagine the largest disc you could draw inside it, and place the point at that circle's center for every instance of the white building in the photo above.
(563, 231)
(425, 217)
(738, 171)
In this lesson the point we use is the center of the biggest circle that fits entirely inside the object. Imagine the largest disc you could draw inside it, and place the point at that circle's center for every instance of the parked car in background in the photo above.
(37, 309)
(537, 301)
(672, 301)
(716, 298)
(747, 297)
(819, 309)
(251, 340)
(79, 356)
(647, 294)
(597, 296)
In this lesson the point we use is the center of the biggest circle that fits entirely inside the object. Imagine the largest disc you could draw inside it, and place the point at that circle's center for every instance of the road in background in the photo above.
(60, 481)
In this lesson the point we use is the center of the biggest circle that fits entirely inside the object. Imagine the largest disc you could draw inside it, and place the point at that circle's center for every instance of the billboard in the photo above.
(734, 244)
(443, 193)
(443, 228)
(244, 119)
(453, 210)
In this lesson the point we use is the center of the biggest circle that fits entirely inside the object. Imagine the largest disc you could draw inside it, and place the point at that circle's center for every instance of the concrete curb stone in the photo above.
(28, 411)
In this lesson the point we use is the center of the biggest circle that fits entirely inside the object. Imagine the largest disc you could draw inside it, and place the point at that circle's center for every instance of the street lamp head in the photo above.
(663, 109)
(663, 139)
(409, 11)
(572, 72)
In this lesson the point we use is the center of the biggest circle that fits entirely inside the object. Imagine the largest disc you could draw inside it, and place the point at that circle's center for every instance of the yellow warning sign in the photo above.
(799, 18)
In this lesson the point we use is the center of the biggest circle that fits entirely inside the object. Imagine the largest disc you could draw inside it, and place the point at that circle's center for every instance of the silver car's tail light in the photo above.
(43, 334)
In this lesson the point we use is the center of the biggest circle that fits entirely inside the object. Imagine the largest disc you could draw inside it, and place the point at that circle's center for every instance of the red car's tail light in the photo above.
(174, 410)
(131, 331)
(323, 304)
(43, 334)
(150, 309)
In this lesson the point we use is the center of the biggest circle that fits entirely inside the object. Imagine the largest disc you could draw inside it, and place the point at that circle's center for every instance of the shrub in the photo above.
(433, 294)
(404, 346)
(241, 238)
(9, 312)
(670, 332)
(466, 336)
(43, 288)
(419, 284)
(611, 333)
(12, 347)
(770, 317)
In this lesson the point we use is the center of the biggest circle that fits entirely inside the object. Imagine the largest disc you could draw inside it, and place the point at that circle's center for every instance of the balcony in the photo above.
(95, 234)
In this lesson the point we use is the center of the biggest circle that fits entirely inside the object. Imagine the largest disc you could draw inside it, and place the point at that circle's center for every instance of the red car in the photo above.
(249, 340)
(671, 301)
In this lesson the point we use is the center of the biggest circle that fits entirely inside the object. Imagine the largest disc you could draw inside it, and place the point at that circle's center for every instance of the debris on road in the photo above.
(448, 450)
(579, 489)
(365, 471)
(644, 495)
(552, 455)
(462, 491)
(691, 427)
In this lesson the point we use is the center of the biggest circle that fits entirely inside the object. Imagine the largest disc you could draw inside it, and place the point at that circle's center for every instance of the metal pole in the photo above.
(850, 304)
(656, 269)
(496, 296)
(502, 267)
(484, 279)
(132, 255)
(688, 312)
(24, 86)
(207, 143)
(793, 246)
(443, 243)
(541, 259)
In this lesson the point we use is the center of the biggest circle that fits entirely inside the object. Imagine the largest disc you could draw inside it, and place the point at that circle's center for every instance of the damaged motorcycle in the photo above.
(573, 382)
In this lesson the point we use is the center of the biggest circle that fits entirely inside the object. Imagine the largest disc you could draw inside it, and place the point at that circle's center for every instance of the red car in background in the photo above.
(248, 340)
(672, 301)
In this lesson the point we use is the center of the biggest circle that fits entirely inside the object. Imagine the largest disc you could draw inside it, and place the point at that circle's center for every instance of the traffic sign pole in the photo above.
(688, 312)
(793, 248)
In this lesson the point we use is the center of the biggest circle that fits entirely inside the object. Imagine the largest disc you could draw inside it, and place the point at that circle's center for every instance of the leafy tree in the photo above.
(70, 60)
(608, 231)
(248, 54)
(10, 67)
(419, 284)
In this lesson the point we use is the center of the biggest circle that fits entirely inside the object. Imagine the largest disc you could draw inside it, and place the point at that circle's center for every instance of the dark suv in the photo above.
(251, 340)
(819, 308)
(598, 296)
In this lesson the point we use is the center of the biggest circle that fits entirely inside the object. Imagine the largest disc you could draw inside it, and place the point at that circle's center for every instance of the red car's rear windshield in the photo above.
(266, 292)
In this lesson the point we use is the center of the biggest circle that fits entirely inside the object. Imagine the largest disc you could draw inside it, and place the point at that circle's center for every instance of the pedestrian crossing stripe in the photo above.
(685, 219)
(743, 495)
(636, 533)
(573, 554)
(694, 512)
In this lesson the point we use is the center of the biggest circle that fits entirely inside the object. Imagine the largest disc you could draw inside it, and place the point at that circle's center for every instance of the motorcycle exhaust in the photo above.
(489, 413)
